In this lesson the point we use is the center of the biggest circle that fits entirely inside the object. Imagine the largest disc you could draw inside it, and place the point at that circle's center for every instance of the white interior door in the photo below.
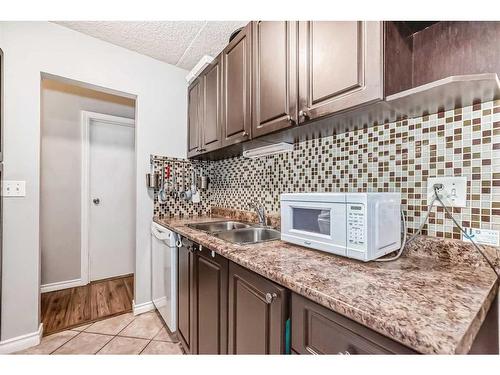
(111, 235)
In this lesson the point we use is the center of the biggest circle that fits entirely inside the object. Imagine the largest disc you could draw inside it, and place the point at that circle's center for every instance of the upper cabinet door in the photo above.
(236, 67)
(340, 66)
(212, 113)
(274, 76)
(194, 117)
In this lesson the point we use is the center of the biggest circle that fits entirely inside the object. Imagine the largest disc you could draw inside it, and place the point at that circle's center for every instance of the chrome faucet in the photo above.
(261, 212)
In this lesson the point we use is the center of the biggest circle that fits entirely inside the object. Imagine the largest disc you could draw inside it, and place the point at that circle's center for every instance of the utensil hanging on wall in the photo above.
(153, 180)
(196, 198)
(162, 194)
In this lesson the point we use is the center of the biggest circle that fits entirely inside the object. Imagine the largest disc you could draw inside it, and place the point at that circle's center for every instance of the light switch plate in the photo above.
(483, 236)
(454, 193)
(14, 188)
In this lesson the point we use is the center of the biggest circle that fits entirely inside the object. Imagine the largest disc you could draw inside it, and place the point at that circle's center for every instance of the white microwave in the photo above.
(362, 226)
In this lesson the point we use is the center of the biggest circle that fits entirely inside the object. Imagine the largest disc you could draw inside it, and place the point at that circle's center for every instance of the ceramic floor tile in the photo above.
(163, 335)
(144, 326)
(50, 343)
(162, 347)
(124, 345)
(111, 326)
(81, 328)
(84, 343)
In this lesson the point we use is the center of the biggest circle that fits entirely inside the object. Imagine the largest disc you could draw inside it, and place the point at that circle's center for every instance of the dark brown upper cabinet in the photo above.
(204, 110)
(195, 110)
(257, 313)
(340, 66)
(274, 76)
(212, 111)
(237, 88)
(210, 290)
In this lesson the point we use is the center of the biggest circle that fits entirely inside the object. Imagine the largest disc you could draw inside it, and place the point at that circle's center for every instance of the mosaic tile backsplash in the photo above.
(393, 157)
(180, 179)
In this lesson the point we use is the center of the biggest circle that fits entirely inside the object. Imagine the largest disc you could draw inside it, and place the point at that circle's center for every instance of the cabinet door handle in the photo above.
(245, 134)
(199, 247)
(304, 114)
(270, 297)
(344, 353)
(290, 119)
(213, 254)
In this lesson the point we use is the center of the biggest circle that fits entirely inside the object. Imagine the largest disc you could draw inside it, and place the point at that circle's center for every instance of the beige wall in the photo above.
(60, 179)
(33, 49)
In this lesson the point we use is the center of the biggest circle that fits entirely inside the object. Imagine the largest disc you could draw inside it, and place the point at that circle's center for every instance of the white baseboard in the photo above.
(141, 308)
(22, 342)
(60, 285)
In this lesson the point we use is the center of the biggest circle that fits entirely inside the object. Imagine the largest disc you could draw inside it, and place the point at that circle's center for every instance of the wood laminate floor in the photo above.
(67, 308)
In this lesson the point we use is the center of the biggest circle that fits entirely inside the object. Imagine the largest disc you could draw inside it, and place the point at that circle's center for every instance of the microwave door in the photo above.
(319, 225)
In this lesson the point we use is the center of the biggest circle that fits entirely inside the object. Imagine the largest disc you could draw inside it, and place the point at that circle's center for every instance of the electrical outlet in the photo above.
(454, 193)
(14, 188)
(482, 236)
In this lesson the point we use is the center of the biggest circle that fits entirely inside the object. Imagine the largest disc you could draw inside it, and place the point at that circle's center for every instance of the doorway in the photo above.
(87, 205)
(108, 196)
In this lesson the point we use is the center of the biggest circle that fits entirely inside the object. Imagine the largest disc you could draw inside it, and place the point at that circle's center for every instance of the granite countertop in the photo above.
(433, 299)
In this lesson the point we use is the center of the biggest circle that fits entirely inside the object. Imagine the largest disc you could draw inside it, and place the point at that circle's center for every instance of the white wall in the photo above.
(34, 47)
(60, 179)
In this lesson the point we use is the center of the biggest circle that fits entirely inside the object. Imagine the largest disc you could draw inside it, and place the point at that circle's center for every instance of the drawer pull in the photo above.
(270, 297)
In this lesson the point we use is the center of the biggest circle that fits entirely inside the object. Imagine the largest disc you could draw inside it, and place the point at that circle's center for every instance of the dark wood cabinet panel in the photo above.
(212, 121)
(340, 66)
(236, 88)
(194, 117)
(455, 48)
(185, 296)
(210, 289)
(257, 313)
(274, 76)
(318, 330)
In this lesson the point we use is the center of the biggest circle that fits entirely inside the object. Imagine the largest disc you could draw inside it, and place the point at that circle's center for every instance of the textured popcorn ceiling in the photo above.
(180, 43)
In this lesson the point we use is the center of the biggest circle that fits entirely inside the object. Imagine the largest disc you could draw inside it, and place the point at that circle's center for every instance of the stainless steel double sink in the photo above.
(238, 232)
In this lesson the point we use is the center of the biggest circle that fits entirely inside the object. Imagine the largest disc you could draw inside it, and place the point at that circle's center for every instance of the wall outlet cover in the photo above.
(454, 193)
(14, 188)
(482, 236)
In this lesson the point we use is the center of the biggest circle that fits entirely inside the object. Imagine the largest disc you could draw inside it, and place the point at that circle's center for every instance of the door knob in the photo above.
(270, 297)
(96, 201)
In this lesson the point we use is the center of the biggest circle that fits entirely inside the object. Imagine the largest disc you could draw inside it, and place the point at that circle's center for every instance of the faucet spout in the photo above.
(260, 210)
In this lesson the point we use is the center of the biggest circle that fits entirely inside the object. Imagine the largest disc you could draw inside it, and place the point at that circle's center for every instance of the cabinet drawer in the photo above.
(318, 330)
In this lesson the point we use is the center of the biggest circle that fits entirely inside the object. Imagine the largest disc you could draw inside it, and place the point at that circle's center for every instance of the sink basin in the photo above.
(249, 235)
(218, 226)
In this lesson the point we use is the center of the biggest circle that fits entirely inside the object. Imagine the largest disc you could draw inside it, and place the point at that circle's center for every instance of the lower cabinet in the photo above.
(185, 295)
(318, 330)
(257, 313)
(210, 293)
(224, 308)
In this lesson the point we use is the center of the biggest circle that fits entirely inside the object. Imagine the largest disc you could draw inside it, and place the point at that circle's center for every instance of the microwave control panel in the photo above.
(356, 236)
